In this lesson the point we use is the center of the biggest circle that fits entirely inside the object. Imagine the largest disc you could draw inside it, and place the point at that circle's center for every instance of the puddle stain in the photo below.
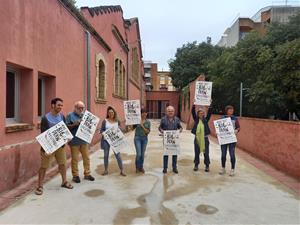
(207, 209)
(94, 193)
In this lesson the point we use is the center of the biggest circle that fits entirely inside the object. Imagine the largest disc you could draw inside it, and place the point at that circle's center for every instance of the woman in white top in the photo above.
(110, 121)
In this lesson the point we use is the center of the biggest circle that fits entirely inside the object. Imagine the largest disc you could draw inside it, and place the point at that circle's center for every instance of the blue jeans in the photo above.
(106, 148)
(140, 143)
(174, 161)
(231, 147)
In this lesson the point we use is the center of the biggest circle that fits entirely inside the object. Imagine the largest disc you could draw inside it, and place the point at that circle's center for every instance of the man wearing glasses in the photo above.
(78, 145)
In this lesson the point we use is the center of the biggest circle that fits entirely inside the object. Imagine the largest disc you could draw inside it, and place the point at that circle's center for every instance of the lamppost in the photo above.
(241, 98)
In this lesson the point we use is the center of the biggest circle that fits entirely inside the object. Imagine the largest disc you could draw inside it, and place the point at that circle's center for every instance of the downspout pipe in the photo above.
(87, 73)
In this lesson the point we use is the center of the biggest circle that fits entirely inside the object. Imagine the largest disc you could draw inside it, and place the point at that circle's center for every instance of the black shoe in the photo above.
(175, 170)
(207, 169)
(89, 177)
(196, 168)
(76, 179)
(165, 170)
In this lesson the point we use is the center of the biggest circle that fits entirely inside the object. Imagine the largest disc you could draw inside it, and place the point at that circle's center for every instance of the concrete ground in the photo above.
(250, 197)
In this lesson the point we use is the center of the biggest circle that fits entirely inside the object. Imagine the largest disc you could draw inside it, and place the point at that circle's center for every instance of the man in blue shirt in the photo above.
(78, 145)
(170, 122)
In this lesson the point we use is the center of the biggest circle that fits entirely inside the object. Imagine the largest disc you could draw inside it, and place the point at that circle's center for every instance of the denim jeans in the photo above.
(231, 147)
(174, 161)
(140, 143)
(197, 152)
(106, 148)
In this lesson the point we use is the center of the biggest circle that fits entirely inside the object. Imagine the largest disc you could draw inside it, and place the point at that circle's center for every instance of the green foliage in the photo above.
(268, 66)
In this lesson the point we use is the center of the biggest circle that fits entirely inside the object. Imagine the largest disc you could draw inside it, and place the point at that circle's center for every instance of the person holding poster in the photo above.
(170, 122)
(78, 145)
(231, 146)
(201, 131)
(110, 121)
(49, 120)
(140, 140)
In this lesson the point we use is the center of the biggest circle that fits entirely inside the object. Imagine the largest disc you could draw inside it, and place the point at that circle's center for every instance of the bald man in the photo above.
(170, 122)
(78, 145)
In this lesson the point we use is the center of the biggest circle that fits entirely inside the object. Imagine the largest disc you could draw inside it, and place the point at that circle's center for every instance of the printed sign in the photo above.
(171, 142)
(225, 131)
(55, 137)
(203, 93)
(87, 127)
(115, 139)
(132, 111)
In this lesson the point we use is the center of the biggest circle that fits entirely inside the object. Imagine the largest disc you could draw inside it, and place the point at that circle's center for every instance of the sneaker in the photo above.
(231, 173)
(207, 169)
(122, 174)
(76, 179)
(142, 170)
(175, 170)
(222, 171)
(105, 173)
(196, 168)
(89, 177)
(165, 170)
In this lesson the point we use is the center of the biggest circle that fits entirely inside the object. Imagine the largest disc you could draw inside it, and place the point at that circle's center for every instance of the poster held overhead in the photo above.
(203, 91)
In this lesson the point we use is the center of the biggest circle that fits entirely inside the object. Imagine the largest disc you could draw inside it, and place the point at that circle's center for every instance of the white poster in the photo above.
(171, 142)
(87, 127)
(132, 111)
(55, 137)
(115, 139)
(225, 131)
(203, 93)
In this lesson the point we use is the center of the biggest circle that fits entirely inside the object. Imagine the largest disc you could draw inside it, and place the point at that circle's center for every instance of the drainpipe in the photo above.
(87, 72)
(127, 77)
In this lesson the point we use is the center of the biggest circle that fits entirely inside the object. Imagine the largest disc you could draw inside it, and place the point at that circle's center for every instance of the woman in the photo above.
(140, 141)
(110, 121)
(229, 113)
(201, 131)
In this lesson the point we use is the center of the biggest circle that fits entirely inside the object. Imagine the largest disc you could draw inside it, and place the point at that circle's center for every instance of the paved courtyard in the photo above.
(250, 197)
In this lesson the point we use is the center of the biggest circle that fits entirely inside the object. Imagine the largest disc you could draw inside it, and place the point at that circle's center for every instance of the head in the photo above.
(79, 107)
(201, 113)
(143, 113)
(111, 113)
(229, 110)
(170, 111)
(201, 77)
(56, 105)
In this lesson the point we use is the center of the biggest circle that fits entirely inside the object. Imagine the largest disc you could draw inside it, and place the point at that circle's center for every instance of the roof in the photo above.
(103, 9)
(80, 18)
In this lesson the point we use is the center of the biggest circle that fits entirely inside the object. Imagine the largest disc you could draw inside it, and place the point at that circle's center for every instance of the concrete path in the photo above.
(251, 197)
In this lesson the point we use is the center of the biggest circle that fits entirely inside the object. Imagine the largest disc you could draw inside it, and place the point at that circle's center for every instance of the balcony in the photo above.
(147, 75)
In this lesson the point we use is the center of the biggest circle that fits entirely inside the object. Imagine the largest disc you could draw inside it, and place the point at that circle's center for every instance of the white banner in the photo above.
(225, 131)
(55, 137)
(87, 127)
(171, 142)
(203, 93)
(115, 139)
(132, 110)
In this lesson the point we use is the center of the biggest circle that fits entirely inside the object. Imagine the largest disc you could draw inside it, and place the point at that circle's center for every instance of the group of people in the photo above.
(168, 122)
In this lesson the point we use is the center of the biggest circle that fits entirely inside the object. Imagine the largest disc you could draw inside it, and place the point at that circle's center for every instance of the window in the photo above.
(12, 96)
(120, 79)
(135, 65)
(41, 96)
(100, 79)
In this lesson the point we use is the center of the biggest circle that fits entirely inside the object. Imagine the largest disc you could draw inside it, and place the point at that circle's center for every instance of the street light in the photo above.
(241, 98)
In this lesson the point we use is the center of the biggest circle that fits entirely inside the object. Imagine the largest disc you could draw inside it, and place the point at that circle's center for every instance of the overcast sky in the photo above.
(166, 25)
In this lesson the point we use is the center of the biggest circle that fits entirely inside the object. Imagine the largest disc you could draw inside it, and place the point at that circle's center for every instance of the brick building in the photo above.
(49, 48)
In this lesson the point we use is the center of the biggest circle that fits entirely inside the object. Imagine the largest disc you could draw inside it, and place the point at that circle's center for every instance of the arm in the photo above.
(160, 128)
(194, 112)
(237, 125)
(44, 124)
(102, 129)
(209, 112)
(146, 128)
(70, 124)
(179, 125)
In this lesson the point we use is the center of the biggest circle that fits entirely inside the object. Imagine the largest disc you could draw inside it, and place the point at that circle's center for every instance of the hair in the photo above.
(228, 107)
(115, 113)
(55, 100)
(143, 110)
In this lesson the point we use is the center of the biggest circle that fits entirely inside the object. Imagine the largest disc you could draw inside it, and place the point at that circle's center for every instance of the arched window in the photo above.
(135, 64)
(120, 79)
(101, 80)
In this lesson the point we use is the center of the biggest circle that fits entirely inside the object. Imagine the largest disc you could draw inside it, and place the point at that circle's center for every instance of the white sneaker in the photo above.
(222, 171)
(231, 173)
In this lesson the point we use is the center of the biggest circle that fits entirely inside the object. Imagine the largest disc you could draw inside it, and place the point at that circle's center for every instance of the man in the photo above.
(49, 120)
(77, 145)
(170, 122)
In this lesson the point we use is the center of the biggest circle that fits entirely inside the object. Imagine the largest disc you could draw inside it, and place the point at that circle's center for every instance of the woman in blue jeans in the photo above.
(140, 141)
(110, 121)
(231, 146)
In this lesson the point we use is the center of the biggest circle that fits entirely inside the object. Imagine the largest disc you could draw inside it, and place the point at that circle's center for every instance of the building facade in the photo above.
(51, 49)
(259, 22)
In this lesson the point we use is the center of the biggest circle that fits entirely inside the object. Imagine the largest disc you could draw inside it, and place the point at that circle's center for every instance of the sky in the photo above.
(166, 25)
